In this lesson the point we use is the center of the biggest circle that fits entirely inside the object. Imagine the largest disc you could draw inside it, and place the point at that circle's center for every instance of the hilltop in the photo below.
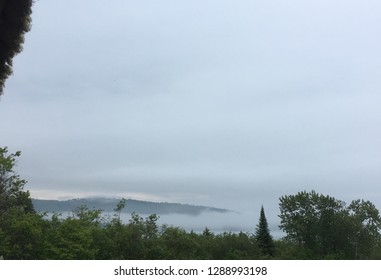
(109, 204)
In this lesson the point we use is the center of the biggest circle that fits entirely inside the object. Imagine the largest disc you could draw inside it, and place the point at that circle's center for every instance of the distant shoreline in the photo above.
(132, 205)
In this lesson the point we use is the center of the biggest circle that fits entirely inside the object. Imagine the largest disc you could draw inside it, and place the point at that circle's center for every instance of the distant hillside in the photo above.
(109, 204)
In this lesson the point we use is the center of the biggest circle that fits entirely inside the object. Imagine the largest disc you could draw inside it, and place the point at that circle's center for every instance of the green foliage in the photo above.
(324, 228)
(86, 235)
(308, 219)
(15, 21)
(317, 227)
(262, 235)
(178, 244)
(365, 226)
(119, 207)
(12, 192)
(22, 235)
(235, 246)
(85, 215)
(20, 230)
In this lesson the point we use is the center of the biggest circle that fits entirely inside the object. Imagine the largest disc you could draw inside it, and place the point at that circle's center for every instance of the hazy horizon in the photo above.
(218, 103)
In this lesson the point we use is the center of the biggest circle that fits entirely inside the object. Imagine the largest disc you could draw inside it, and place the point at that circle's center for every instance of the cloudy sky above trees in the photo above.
(221, 103)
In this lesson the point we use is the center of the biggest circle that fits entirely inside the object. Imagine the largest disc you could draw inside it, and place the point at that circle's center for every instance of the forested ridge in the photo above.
(316, 226)
(132, 205)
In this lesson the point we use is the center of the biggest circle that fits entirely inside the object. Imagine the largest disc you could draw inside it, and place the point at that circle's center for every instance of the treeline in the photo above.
(85, 236)
(316, 227)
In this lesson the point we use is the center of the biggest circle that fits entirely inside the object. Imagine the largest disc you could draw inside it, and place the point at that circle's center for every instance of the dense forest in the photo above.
(316, 226)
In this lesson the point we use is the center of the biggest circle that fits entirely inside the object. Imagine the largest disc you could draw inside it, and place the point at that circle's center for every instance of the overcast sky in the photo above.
(221, 103)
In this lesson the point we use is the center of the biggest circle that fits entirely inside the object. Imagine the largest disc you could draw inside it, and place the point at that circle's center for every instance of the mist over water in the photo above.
(233, 222)
(243, 216)
(216, 222)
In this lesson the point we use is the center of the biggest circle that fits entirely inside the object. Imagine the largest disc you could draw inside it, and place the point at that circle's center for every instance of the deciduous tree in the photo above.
(327, 228)
(12, 192)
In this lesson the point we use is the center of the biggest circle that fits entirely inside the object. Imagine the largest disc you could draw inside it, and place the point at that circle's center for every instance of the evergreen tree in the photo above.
(15, 21)
(262, 235)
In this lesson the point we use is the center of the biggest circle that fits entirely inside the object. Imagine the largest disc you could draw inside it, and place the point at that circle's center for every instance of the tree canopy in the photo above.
(15, 21)
(12, 193)
(325, 227)
(19, 224)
